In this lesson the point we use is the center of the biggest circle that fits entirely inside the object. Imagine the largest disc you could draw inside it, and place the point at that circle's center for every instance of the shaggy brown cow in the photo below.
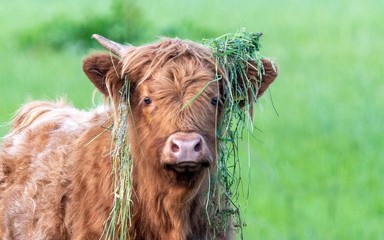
(55, 165)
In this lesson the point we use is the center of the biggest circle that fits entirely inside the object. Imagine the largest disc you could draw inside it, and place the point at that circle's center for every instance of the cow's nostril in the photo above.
(197, 147)
(175, 148)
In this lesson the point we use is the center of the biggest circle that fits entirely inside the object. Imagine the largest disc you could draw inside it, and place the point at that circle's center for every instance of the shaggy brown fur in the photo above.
(55, 166)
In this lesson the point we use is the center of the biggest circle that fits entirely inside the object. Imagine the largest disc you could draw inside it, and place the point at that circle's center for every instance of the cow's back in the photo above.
(36, 168)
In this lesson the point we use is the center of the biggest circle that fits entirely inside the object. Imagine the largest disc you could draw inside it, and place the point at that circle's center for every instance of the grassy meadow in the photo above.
(317, 162)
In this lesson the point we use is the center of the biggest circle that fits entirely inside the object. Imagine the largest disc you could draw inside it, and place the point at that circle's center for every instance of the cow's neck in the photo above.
(164, 212)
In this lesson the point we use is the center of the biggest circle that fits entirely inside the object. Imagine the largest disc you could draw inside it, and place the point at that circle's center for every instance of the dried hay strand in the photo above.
(119, 221)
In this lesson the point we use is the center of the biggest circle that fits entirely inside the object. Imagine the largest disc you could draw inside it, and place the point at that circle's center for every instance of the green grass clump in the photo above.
(233, 53)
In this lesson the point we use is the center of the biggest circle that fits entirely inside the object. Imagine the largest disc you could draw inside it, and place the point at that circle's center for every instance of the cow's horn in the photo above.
(116, 48)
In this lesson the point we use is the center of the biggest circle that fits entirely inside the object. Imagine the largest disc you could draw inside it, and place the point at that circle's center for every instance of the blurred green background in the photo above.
(317, 167)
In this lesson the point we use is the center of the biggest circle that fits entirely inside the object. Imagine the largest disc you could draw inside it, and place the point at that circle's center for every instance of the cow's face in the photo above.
(175, 102)
(176, 109)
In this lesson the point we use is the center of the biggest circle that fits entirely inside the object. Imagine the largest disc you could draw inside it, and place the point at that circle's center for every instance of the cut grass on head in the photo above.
(233, 54)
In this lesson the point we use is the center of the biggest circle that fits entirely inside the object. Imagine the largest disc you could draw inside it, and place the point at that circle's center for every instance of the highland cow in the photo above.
(56, 173)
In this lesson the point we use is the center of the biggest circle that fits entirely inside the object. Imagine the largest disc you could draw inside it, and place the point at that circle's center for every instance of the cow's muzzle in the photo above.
(186, 152)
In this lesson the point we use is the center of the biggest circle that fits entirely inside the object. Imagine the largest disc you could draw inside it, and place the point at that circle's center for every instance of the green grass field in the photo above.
(317, 167)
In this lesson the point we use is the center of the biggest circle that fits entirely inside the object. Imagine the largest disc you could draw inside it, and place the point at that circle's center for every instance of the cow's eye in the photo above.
(147, 100)
(214, 101)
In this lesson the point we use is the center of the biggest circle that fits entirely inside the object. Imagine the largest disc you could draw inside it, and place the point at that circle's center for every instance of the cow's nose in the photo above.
(186, 148)
(188, 151)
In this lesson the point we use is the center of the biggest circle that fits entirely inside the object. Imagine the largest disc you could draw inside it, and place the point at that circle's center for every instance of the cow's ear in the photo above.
(104, 72)
(262, 76)
(253, 85)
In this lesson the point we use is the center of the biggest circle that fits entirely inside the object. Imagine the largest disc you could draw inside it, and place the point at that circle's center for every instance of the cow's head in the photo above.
(175, 99)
